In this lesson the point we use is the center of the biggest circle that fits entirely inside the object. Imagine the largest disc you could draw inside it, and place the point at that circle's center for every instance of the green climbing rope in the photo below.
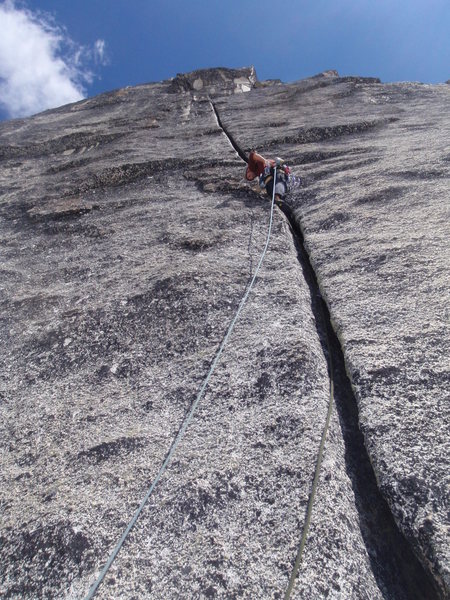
(299, 558)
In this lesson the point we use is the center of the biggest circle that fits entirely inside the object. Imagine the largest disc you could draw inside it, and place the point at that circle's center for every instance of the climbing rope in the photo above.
(312, 495)
(189, 416)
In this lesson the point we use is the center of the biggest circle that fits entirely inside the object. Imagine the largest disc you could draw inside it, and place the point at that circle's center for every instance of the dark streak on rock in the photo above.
(384, 195)
(320, 134)
(106, 450)
(74, 141)
(53, 554)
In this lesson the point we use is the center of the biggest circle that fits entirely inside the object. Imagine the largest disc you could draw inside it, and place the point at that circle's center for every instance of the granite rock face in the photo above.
(215, 82)
(127, 239)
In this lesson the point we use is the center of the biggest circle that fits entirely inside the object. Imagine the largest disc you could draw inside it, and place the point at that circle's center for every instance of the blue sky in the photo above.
(99, 45)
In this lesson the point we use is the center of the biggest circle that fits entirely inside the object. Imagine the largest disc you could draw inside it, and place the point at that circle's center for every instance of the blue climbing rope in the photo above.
(189, 416)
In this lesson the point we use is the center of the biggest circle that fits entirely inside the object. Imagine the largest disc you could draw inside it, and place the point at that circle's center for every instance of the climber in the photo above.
(265, 168)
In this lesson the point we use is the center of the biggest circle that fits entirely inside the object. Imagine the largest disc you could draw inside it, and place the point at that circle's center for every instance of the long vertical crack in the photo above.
(397, 570)
(399, 573)
(227, 133)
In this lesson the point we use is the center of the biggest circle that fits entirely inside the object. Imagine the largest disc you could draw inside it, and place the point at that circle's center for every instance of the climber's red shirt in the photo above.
(256, 166)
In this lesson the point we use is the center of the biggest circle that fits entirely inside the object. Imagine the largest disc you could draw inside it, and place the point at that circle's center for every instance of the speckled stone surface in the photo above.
(127, 238)
(374, 211)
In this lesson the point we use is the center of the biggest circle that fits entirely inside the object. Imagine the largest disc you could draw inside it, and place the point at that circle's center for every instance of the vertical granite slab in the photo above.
(374, 211)
(127, 239)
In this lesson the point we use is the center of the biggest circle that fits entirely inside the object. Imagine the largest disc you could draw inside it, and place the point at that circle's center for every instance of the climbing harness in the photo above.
(312, 495)
(268, 180)
(188, 418)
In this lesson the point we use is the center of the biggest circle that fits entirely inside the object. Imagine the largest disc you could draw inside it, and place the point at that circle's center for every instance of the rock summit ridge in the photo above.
(216, 81)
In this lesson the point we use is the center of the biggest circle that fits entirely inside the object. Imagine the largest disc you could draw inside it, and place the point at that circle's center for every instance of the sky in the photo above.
(57, 51)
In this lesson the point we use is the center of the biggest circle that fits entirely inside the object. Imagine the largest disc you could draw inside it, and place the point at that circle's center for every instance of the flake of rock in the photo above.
(62, 208)
(374, 160)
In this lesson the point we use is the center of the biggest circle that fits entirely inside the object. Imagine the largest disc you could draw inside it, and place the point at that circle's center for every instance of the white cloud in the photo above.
(40, 66)
(100, 52)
